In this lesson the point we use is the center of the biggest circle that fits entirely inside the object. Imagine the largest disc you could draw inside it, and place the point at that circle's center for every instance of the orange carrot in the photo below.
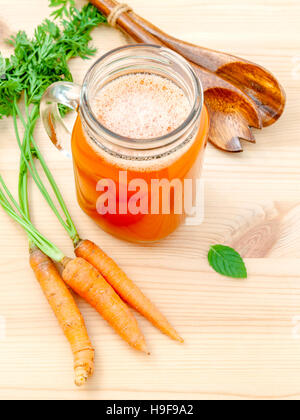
(125, 287)
(67, 313)
(87, 282)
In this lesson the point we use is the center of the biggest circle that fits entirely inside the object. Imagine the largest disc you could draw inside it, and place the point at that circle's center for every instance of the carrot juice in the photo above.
(121, 188)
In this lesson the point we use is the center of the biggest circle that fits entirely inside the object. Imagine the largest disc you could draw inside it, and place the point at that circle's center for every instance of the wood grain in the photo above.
(242, 337)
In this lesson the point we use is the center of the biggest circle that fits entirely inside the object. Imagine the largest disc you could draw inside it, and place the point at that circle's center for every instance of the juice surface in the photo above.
(142, 106)
(137, 106)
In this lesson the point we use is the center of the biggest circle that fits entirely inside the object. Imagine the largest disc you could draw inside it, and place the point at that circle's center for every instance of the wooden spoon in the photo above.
(232, 112)
(254, 80)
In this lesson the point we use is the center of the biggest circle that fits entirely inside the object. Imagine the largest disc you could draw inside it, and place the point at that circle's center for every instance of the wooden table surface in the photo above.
(242, 337)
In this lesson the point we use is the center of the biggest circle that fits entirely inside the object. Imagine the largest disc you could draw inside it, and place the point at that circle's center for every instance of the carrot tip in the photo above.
(177, 337)
(81, 376)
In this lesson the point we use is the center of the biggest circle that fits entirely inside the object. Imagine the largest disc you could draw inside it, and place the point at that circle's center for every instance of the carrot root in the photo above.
(67, 314)
(125, 287)
(81, 376)
(88, 283)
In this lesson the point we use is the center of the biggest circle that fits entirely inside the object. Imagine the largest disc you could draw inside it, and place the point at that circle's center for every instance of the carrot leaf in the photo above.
(36, 63)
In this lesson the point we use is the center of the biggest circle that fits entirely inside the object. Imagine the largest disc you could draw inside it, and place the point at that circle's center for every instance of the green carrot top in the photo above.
(38, 62)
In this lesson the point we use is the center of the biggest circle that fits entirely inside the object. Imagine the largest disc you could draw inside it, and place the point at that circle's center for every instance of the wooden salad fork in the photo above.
(238, 94)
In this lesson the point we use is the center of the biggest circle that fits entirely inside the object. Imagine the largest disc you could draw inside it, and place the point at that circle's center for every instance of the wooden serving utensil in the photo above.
(232, 111)
(254, 80)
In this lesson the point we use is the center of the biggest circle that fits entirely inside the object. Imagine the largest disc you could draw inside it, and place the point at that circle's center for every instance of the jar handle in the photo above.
(63, 93)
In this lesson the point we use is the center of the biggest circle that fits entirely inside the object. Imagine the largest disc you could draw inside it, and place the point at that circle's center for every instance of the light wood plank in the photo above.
(242, 338)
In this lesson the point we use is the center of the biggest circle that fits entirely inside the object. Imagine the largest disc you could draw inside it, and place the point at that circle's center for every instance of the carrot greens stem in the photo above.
(36, 63)
(11, 207)
(29, 151)
(72, 231)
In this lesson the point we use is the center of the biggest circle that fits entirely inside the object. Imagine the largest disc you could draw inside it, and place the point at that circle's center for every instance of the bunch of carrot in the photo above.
(91, 274)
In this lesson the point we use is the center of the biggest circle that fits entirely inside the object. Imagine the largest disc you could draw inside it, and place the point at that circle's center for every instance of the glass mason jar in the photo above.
(135, 189)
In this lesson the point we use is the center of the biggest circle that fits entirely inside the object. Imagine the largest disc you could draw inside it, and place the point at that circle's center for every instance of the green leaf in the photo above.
(62, 7)
(226, 261)
(39, 61)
